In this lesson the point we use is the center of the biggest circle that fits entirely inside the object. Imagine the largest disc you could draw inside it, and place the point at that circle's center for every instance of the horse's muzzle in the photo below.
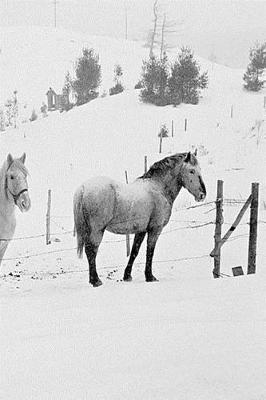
(23, 201)
(200, 197)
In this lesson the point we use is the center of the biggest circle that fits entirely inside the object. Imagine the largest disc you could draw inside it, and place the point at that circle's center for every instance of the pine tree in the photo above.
(253, 77)
(154, 80)
(88, 76)
(186, 81)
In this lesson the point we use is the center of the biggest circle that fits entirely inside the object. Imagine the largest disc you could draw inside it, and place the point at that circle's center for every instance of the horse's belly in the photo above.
(130, 217)
(130, 225)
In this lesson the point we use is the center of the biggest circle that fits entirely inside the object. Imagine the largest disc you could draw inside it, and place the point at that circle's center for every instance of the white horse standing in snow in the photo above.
(13, 192)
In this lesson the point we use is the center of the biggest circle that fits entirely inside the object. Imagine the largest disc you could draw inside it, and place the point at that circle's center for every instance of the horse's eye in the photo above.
(192, 171)
(11, 176)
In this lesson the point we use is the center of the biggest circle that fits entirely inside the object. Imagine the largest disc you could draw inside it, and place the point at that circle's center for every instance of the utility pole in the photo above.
(7, 13)
(55, 13)
(126, 21)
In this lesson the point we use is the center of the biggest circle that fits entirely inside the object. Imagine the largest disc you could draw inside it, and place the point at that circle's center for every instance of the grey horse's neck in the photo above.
(170, 186)
(7, 205)
(167, 176)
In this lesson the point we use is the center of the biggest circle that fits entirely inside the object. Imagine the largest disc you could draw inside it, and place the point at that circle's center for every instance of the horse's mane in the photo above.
(160, 167)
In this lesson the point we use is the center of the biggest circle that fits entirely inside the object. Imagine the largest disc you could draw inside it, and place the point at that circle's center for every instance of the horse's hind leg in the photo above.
(134, 252)
(151, 242)
(91, 249)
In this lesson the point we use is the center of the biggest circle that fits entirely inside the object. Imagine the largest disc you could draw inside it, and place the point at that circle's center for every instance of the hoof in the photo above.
(151, 279)
(127, 278)
(97, 283)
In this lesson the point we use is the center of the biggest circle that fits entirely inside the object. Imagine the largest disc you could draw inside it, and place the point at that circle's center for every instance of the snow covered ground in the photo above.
(188, 336)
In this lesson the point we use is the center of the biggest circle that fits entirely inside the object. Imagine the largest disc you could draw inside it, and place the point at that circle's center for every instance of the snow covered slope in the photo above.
(187, 337)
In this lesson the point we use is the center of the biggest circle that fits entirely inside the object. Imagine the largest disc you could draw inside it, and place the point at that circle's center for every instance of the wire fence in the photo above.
(192, 224)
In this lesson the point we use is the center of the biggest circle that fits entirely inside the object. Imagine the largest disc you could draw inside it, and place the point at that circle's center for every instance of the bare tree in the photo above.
(162, 31)
(168, 27)
(155, 25)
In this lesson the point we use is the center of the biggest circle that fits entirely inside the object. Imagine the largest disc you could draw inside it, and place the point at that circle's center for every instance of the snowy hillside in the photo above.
(187, 337)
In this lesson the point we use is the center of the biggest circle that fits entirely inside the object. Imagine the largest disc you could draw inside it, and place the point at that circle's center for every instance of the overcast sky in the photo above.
(226, 28)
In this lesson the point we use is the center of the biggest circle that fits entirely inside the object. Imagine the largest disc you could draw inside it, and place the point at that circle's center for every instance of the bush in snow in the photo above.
(88, 76)
(181, 85)
(118, 88)
(253, 76)
(154, 80)
(186, 81)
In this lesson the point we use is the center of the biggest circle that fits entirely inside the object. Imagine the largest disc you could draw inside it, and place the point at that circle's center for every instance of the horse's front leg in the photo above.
(151, 242)
(91, 253)
(138, 239)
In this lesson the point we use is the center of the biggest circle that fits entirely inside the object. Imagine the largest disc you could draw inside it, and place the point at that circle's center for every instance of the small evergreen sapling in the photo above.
(118, 88)
(67, 105)
(163, 131)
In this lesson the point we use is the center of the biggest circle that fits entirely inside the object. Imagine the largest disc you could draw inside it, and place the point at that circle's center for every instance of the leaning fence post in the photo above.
(127, 235)
(253, 226)
(48, 218)
(218, 229)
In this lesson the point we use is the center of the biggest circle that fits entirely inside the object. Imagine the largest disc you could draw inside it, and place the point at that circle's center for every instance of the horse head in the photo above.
(191, 177)
(16, 182)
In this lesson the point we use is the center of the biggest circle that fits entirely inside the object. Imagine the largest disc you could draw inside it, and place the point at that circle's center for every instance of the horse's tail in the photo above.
(81, 227)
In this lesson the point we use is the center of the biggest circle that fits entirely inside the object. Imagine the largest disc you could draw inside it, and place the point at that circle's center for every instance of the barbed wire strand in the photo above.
(117, 266)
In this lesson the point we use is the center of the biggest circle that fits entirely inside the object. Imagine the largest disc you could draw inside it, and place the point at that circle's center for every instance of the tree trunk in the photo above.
(155, 12)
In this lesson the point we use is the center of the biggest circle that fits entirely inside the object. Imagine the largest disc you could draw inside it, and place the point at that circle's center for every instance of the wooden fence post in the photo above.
(253, 226)
(127, 235)
(218, 229)
(160, 142)
(185, 124)
(48, 218)
(232, 111)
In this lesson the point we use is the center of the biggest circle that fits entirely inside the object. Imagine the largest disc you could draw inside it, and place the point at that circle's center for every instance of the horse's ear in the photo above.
(188, 157)
(23, 158)
(9, 159)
